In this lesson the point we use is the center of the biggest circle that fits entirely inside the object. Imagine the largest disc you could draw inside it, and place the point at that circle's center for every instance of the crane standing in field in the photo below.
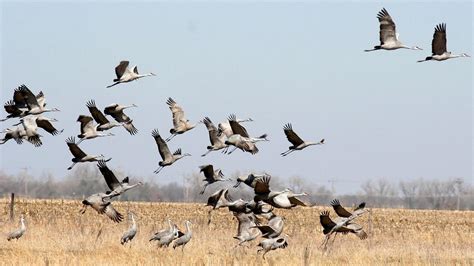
(131, 232)
(166, 155)
(185, 238)
(180, 123)
(124, 74)
(158, 235)
(388, 34)
(438, 46)
(19, 232)
(298, 143)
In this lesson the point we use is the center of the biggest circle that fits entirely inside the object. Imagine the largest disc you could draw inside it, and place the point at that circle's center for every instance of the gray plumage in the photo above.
(271, 244)
(101, 203)
(19, 232)
(130, 233)
(114, 185)
(296, 141)
(184, 239)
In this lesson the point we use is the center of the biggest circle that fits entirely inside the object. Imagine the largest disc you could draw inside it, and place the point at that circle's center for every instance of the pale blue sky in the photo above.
(381, 113)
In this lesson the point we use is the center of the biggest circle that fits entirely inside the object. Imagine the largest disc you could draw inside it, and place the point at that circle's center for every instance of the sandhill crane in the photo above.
(168, 237)
(115, 186)
(280, 199)
(99, 117)
(16, 133)
(224, 127)
(101, 203)
(219, 199)
(217, 140)
(438, 46)
(184, 239)
(342, 212)
(30, 127)
(180, 123)
(241, 139)
(250, 180)
(17, 107)
(298, 143)
(79, 155)
(32, 122)
(342, 226)
(246, 231)
(211, 175)
(269, 244)
(88, 129)
(158, 235)
(168, 158)
(35, 106)
(273, 228)
(388, 34)
(19, 232)
(116, 111)
(124, 74)
(131, 232)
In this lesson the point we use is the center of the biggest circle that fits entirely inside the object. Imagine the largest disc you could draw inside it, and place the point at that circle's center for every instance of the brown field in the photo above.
(58, 234)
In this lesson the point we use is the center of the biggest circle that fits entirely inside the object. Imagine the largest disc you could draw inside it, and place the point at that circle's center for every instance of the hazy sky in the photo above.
(381, 113)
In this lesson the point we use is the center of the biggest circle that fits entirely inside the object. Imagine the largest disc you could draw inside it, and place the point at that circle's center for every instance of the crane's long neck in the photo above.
(134, 224)
(310, 143)
(188, 229)
(169, 223)
(23, 226)
(145, 75)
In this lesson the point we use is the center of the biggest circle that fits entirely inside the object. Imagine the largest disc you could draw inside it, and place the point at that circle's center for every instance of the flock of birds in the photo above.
(255, 217)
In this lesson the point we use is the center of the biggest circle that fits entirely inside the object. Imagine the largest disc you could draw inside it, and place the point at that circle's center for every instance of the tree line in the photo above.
(451, 194)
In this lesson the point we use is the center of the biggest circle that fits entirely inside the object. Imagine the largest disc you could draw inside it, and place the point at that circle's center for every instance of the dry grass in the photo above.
(58, 234)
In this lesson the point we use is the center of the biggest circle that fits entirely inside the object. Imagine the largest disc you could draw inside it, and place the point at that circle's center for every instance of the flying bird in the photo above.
(269, 244)
(79, 155)
(116, 111)
(88, 129)
(99, 117)
(388, 34)
(180, 123)
(342, 212)
(35, 104)
(438, 46)
(167, 157)
(114, 185)
(298, 143)
(217, 140)
(124, 74)
(211, 175)
(101, 203)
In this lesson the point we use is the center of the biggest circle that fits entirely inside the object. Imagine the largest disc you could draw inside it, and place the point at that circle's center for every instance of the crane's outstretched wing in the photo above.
(162, 146)
(292, 136)
(110, 178)
(388, 31)
(438, 45)
(75, 150)
(120, 69)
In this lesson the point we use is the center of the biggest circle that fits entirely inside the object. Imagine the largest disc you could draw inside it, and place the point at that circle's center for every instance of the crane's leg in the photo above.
(225, 149)
(113, 84)
(171, 137)
(266, 251)
(234, 148)
(158, 170)
(70, 167)
(209, 215)
(287, 152)
(208, 151)
(79, 141)
(202, 191)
